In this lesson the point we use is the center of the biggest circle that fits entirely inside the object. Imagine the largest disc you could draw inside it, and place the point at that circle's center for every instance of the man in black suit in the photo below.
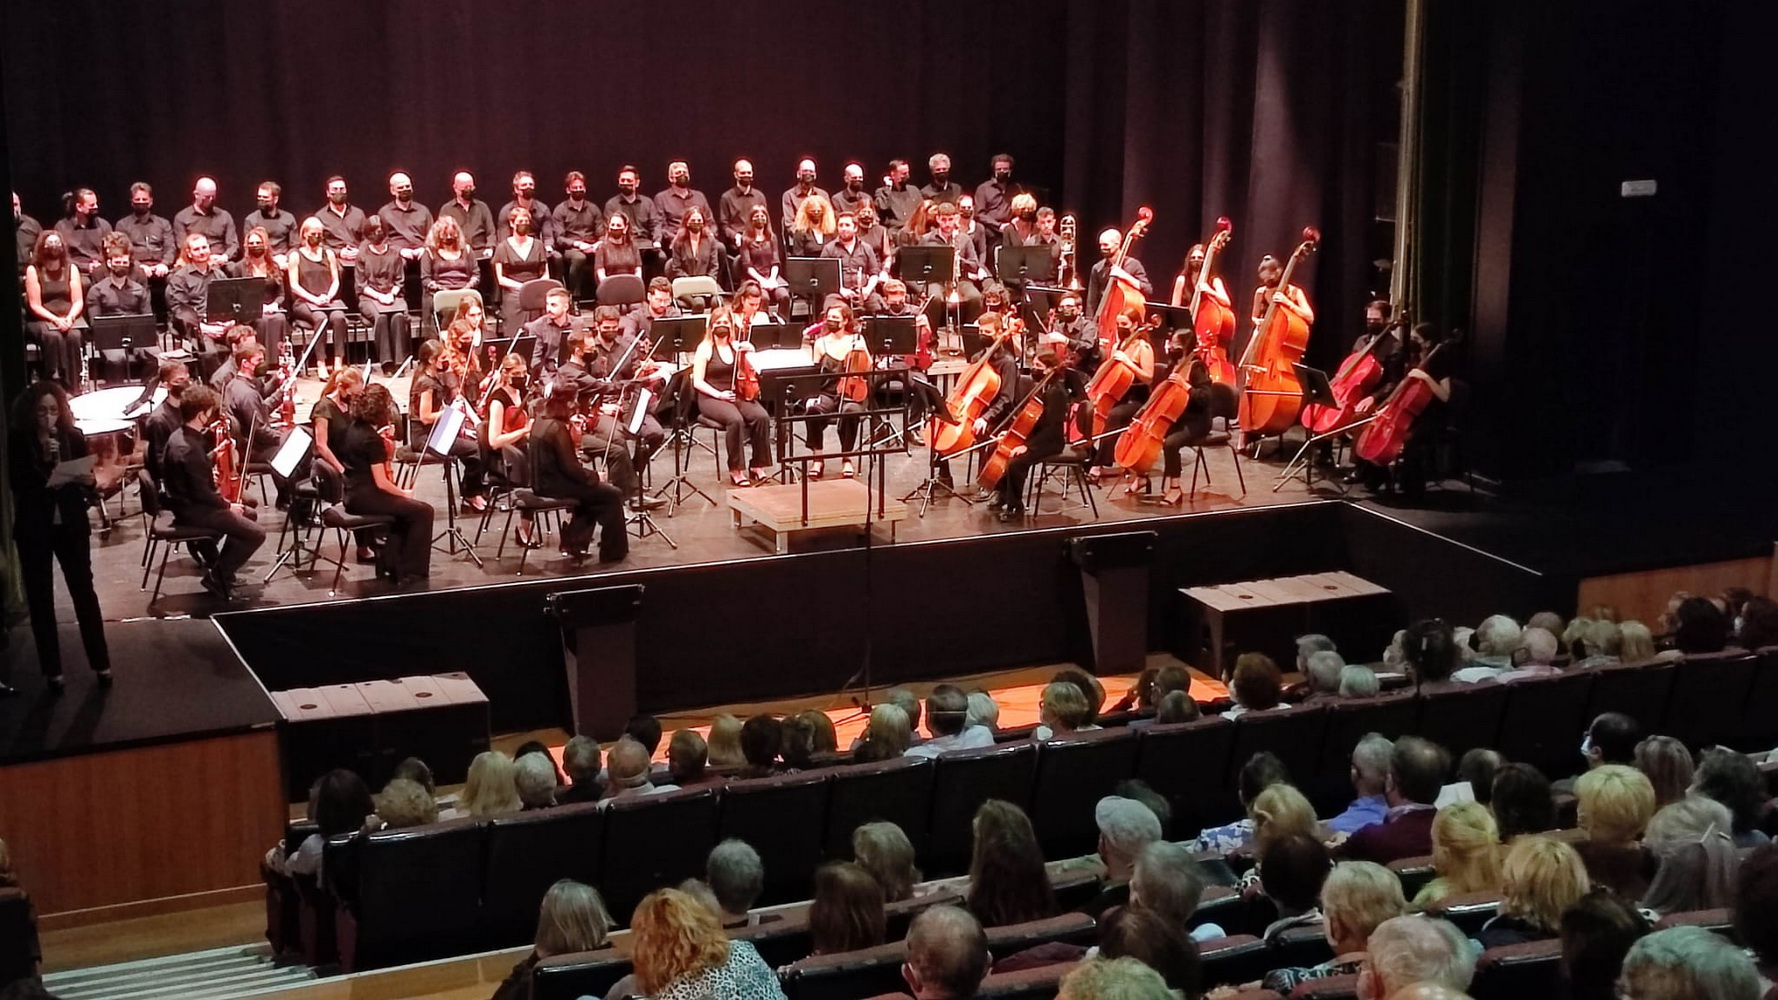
(189, 477)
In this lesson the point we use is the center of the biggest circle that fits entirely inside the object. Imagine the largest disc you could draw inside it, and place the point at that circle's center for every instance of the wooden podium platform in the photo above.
(1267, 616)
(833, 503)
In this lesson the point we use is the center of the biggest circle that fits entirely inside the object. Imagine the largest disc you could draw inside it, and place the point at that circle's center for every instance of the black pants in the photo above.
(388, 326)
(242, 537)
(61, 351)
(38, 552)
(815, 431)
(329, 324)
(609, 439)
(270, 330)
(408, 552)
(968, 310)
(1120, 416)
(211, 351)
(1172, 445)
(735, 417)
(1011, 491)
(598, 505)
(579, 272)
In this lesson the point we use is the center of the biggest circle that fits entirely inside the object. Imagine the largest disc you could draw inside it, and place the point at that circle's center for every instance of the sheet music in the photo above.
(68, 471)
(291, 452)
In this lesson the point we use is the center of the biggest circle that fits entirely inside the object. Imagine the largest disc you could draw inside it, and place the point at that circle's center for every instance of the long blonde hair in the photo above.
(573, 918)
(491, 788)
(1542, 877)
(1279, 812)
(1465, 852)
(724, 742)
(674, 936)
(805, 220)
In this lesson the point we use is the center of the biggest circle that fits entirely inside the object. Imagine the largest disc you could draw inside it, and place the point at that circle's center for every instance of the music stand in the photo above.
(973, 340)
(1026, 264)
(238, 300)
(132, 331)
(678, 489)
(1169, 319)
(812, 278)
(1317, 391)
(439, 443)
(893, 337)
(774, 336)
(922, 265)
(676, 335)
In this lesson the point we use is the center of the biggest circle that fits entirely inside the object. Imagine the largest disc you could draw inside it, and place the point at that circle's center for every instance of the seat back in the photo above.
(696, 284)
(148, 494)
(961, 782)
(1187, 763)
(653, 841)
(898, 791)
(1542, 715)
(417, 895)
(1468, 910)
(1516, 971)
(526, 854)
(1414, 873)
(1461, 717)
(1760, 720)
(580, 974)
(1294, 734)
(897, 916)
(784, 818)
(1073, 774)
(1720, 920)
(534, 294)
(851, 974)
(1349, 720)
(446, 301)
(1330, 988)
(1228, 961)
(621, 290)
(1710, 691)
(19, 948)
(1301, 947)
(1639, 690)
(1072, 928)
(1040, 983)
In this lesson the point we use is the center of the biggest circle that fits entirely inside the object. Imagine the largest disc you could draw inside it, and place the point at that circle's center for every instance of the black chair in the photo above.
(961, 782)
(621, 290)
(653, 841)
(526, 854)
(1516, 971)
(1300, 947)
(898, 916)
(1542, 715)
(1414, 873)
(1068, 928)
(413, 895)
(1461, 717)
(1348, 721)
(1760, 720)
(585, 973)
(1219, 437)
(1187, 764)
(330, 492)
(898, 791)
(160, 533)
(543, 509)
(846, 976)
(1639, 690)
(784, 818)
(1071, 466)
(1073, 773)
(1710, 690)
(1294, 734)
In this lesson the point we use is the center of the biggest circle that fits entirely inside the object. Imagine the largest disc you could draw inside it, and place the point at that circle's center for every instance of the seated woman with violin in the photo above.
(557, 473)
(718, 370)
(1135, 353)
(1048, 436)
(433, 391)
(505, 432)
(365, 449)
(838, 350)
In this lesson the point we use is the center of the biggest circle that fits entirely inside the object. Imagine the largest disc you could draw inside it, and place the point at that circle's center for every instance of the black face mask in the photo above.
(519, 382)
(1029, 215)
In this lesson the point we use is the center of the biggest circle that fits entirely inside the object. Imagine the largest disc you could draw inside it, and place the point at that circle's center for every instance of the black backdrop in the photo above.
(1267, 112)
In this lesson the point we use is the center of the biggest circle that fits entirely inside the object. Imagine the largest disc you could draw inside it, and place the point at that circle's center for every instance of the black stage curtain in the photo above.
(1267, 112)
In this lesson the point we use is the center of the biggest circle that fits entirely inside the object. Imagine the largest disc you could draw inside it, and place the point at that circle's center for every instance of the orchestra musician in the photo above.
(1191, 277)
(942, 188)
(463, 338)
(328, 422)
(550, 334)
(760, 258)
(381, 300)
(447, 265)
(695, 252)
(812, 227)
(713, 376)
(917, 225)
(877, 236)
(83, 231)
(1081, 333)
(658, 303)
(203, 218)
(637, 209)
(896, 304)
(117, 293)
(735, 206)
(972, 230)
(270, 327)
(577, 230)
(1414, 361)
(279, 224)
(1271, 272)
(1194, 423)
(749, 303)
(967, 272)
(160, 424)
(433, 390)
(248, 401)
(833, 351)
(896, 200)
(616, 252)
(1005, 362)
(678, 198)
(505, 436)
(55, 299)
(858, 266)
(314, 281)
(188, 475)
(1047, 438)
(188, 293)
(1020, 229)
(520, 257)
(557, 473)
(1133, 349)
(614, 359)
(1131, 270)
(406, 555)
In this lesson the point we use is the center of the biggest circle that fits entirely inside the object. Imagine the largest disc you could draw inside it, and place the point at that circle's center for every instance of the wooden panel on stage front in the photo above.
(1643, 596)
(106, 830)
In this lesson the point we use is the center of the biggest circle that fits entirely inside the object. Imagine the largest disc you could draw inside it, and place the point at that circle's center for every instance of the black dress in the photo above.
(463, 449)
(49, 526)
(408, 553)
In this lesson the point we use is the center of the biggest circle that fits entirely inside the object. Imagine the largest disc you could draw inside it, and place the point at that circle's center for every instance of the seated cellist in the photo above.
(1134, 350)
(1193, 425)
(1047, 438)
(1435, 372)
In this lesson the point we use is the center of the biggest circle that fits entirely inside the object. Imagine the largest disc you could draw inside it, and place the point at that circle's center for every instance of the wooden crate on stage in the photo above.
(371, 726)
(1266, 616)
(833, 503)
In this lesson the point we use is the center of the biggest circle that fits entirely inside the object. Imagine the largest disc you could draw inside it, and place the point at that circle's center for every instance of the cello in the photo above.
(1116, 376)
(969, 399)
(1140, 443)
(1381, 441)
(1121, 296)
(1213, 322)
(1271, 394)
(1015, 438)
(1358, 375)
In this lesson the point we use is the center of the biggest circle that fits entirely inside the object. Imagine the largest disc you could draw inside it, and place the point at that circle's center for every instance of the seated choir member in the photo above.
(258, 261)
(381, 298)
(521, 257)
(314, 281)
(449, 264)
(812, 227)
(617, 252)
(117, 292)
(577, 222)
(637, 209)
(695, 252)
(83, 231)
(203, 218)
(151, 236)
(188, 474)
(556, 472)
(713, 374)
(55, 300)
(366, 453)
(761, 258)
(279, 225)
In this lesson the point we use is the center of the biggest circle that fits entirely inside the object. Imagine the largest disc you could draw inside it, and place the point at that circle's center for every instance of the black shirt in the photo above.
(343, 229)
(151, 238)
(216, 225)
(86, 244)
(543, 223)
(108, 299)
(644, 217)
(358, 447)
(476, 221)
(407, 227)
(280, 229)
(159, 428)
(574, 225)
(733, 209)
(188, 475)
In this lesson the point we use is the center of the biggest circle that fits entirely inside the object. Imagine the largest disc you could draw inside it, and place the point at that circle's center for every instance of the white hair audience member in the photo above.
(947, 715)
(1698, 861)
(736, 877)
(1357, 898)
(1358, 681)
(580, 758)
(1323, 672)
(1535, 656)
(984, 711)
(1370, 776)
(1405, 951)
(1168, 881)
(1494, 641)
(535, 777)
(1688, 963)
(1114, 979)
(627, 765)
(947, 955)
(1126, 827)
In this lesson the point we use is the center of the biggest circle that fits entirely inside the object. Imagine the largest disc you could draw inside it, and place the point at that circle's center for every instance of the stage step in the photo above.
(217, 974)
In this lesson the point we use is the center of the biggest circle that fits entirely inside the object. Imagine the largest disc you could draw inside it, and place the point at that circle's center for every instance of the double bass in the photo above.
(1381, 441)
(1212, 322)
(1119, 295)
(1271, 394)
(969, 399)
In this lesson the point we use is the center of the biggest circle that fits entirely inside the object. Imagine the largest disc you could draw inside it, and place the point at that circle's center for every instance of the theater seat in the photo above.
(846, 976)
(1461, 717)
(1293, 734)
(1760, 720)
(1414, 873)
(784, 818)
(412, 895)
(961, 782)
(1468, 910)
(527, 853)
(1071, 928)
(19, 948)
(1187, 764)
(1541, 718)
(584, 973)
(1300, 947)
(1638, 690)
(1040, 983)
(898, 791)
(1710, 690)
(1721, 920)
(1518, 971)
(779, 942)
(1331, 988)
(1231, 961)
(1073, 774)
(1349, 720)
(653, 841)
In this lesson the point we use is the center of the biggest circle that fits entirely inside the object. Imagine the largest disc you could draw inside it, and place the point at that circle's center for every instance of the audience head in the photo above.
(1370, 764)
(983, 710)
(492, 786)
(1106, 978)
(1702, 626)
(1292, 872)
(1325, 669)
(1687, 963)
(947, 954)
(1167, 881)
(1756, 903)
(908, 702)
(1090, 689)
(627, 765)
(1497, 636)
(1262, 771)
(674, 936)
(1478, 767)
(1521, 801)
(1280, 812)
(1007, 881)
(847, 911)
(762, 737)
(415, 770)
(1597, 931)
(1126, 826)
(403, 803)
(1637, 643)
(646, 730)
(1430, 650)
(1416, 949)
(1540, 878)
(1141, 791)
(1174, 707)
(1417, 770)
(735, 874)
(947, 710)
(799, 741)
(1759, 623)
(1614, 804)
(1611, 739)
(1549, 621)
(1150, 939)
(573, 918)
(8, 877)
(826, 740)
(535, 778)
(1734, 780)
(888, 732)
(882, 849)
(1466, 847)
(1309, 645)
(580, 758)
(1358, 681)
(1537, 647)
(1668, 765)
(725, 741)
(1257, 685)
(687, 754)
(1064, 707)
(1698, 861)
(1356, 898)
(339, 802)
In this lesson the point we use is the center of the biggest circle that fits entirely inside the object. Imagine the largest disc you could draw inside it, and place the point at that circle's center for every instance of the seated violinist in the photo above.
(434, 390)
(366, 449)
(505, 432)
(1134, 351)
(715, 374)
(556, 472)
(834, 352)
(1047, 438)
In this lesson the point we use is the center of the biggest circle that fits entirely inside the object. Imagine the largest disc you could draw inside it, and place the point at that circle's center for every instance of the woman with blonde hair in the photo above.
(1280, 812)
(681, 954)
(715, 367)
(1636, 644)
(492, 786)
(1614, 804)
(572, 919)
(1541, 878)
(1355, 900)
(1063, 710)
(814, 227)
(882, 849)
(1669, 767)
(886, 736)
(1465, 853)
(725, 742)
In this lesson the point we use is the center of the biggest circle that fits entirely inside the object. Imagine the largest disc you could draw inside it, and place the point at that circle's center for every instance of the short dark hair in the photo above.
(1430, 649)
(1262, 771)
(947, 710)
(660, 284)
(1734, 780)
(1000, 158)
(1521, 801)
(1597, 932)
(341, 801)
(1157, 943)
(1294, 869)
(603, 313)
(646, 730)
(1703, 628)
(1478, 767)
(195, 400)
(1175, 706)
(1257, 683)
(761, 738)
(415, 770)
(1756, 902)
(1089, 686)
(1419, 767)
(1615, 735)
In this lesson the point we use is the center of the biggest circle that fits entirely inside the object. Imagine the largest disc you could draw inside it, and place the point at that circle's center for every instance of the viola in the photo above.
(746, 376)
(1358, 375)
(1381, 441)
(969, 399)
(1212, 322)
(1140, 444)
(853, 386)
(1272, 395)
(1119, 295)
(1016, 437)
(287, 385)
(226, 461)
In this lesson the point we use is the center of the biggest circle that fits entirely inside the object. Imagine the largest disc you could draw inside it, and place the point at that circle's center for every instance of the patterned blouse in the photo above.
(745, 976)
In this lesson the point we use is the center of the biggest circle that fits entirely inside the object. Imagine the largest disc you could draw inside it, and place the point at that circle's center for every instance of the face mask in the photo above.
(1029, 215)
(1586, 746)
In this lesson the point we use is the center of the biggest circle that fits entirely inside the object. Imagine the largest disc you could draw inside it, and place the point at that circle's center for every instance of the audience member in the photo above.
(1370, 776)
(1136, 788)
(762, 736)
(1175, 707)
(403, 803)
(1756, 907)
(1150, 939)
(886, 736)
(1613, 806)
(1611, 739)
(1638, 644)
(1549, 621)
(1140, 697)
(1495, 641)
(1687, 963)
(798, 750)
(491, 788)
(1356, 899)
(1429, 651)
(947, 715)
(1477, 769)
(1261, 771)
(681, 954)
(1593, 642)
(1007, 880)
(646, 730)
(1257, 685)
(826, 740)
(1535, 655)
(1416, 774)
(1759, 624)
(882, 849)
(1597, 931)
(1090, 688)
(414, 769)
(339, 803)
(1306, 647)
(984, 712)
(1734, 780)
(1280, 813)
(1697, 860)
(627, 766)
(1126, 826)
(1063, 710)
(947, 955)
(909, 703)
(1540, 879)
(1521, 801)
(736, 877)
(1405, 951)
(1114, 979)
(572, 919)
(846, 913)
(1322, 670)
(687, 754)
(1358, 681)
(725, 742)
(1168, 881)
(1291, 874)
(580, 758)
(534, 775)
(1702, 627)
(1465, 853)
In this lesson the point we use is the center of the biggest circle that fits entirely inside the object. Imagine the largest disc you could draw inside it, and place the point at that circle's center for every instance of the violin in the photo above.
(746, 376)
(1115, 377)
(226, 461)
(1120, 296)
(1213, 322)
(1140, 443)
(1272, 396)
(1015, 438)
(387, 433)
(1358, 375)
(287, 385)
(853, 386)
(1381, 441)
(969, 399)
